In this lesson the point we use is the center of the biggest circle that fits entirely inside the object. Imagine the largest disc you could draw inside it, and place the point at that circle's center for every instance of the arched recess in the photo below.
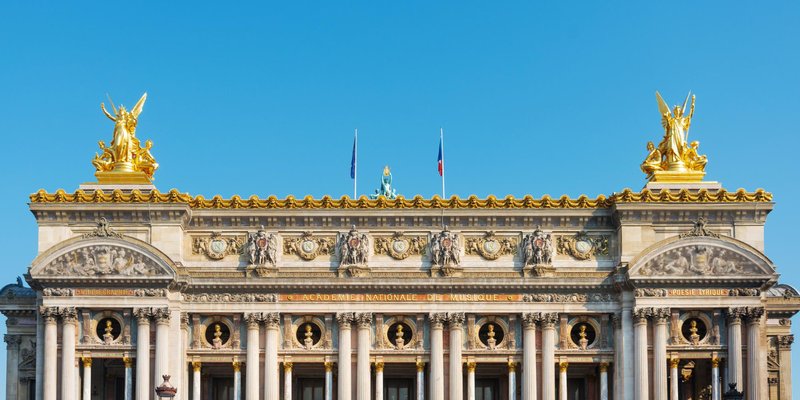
(103, 259)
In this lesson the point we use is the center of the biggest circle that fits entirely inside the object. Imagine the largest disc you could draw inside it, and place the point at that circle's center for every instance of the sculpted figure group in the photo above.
(354, 248)
(674, 153)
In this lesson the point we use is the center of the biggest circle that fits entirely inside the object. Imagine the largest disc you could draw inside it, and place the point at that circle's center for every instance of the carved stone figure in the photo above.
(699, 229)
(108, 337)
(699, 260)
(353, 248)
(308, 340)
(102, 260)
(490, 334)
(694, 338)
(261, 248)
(583, 342)
(445, 249)
(399, 341)
(216, 343)
(537, 248)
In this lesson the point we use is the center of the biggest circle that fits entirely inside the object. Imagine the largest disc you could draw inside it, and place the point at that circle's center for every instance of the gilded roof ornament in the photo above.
(675, 159)
(125, 161)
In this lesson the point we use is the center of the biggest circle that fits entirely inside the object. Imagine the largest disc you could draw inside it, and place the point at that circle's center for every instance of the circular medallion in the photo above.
(308, 246)
(108, 330)
(355, 242)
(491, 246)
(491, 335)
(583, 246)
(261, 242)
(308, 334)
(583, 335)
(217, 248)
(400, 246)
(447, 243)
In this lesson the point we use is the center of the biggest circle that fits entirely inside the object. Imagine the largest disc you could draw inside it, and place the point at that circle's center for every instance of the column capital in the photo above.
(735, 314)
(754, 314)
(272, 320)
(49, 314)
(455, 320)
(364, 320)
(420, 365)
(661, 315)
(603, 366)
(471, 365)
(673, 362)
(162, 315)
(512, 366)
(237, 366)
(142, 315)
(253, 320)
(378, 366)
(641, 315)
(87, 362)
(329, 366)
(69, 315)
(549, 320)
(714, 362)
(530, 319)
(437, 320)
(785, 342)
(287, 366)
(127, 361)
(12, 341)
(345, 319)
(562, 366)
(196, 366)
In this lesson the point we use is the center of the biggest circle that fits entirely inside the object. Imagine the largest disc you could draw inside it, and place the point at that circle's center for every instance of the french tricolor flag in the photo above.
(441, 157)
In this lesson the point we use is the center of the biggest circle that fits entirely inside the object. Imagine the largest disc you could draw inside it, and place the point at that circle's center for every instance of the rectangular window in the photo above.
(398, 389)
(312, 389)
(487, 389)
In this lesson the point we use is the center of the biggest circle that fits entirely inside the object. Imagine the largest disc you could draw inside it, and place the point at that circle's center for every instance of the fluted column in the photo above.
(50, 370)
(237, 380)
(471, 365)
(785, 355)
(253, 321)
(603, 381)
(753, 315)
(69, 325)
(735, 375)
(529, 321)
(287, 380)
(128, 362)
(196, 368)
(660, 316)
(142, 353)
(87, 378)
(328, 380)
(162, 317)
(562, 380)
(512, 380)
(272, 322)
(673, 378)
(184, 358)
(420, 380)
(437, 356)
(39, 377)
(715, 391)
(549, 321)
(616, 321)
(640, 316)
(345, 321)
(363, 390)
(455, 323)
(12, 365)
(379, 380)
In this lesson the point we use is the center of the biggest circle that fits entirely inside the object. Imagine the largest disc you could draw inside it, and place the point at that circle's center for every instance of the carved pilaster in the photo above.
(272, 320)
(69, 315)
(364, 320)
(529, 320)
(12, 341)
(235, 335)
(345, 319)
(87, 326)
(616, 320)
(548, 320)
(785, 342)
(197, 339)
(437, 319)
(455, 320)
(253, 320)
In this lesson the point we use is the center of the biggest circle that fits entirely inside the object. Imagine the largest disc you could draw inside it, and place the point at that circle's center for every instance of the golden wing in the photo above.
(137, 109)
(683, 108)
(663, 108)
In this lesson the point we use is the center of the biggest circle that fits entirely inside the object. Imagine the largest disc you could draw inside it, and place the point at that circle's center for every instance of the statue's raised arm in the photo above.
(111, 117)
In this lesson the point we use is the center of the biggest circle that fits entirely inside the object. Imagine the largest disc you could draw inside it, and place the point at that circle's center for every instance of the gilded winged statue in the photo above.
(674, 154)
(125, 154)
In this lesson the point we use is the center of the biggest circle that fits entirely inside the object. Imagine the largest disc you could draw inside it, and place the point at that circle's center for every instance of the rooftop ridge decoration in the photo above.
(417, 202)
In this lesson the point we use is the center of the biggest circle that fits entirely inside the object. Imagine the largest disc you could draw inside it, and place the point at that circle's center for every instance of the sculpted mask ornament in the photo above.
(103, 260)
(307, 246)
(125, 161)
(537, 248)
(399, 246)
(582, 246)
(216, 247)
(491, 247)
(675, 159)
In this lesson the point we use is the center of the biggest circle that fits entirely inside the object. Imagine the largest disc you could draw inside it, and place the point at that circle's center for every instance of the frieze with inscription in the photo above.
(103, 260)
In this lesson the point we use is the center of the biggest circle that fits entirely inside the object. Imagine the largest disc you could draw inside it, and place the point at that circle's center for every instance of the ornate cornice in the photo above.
(418, 202)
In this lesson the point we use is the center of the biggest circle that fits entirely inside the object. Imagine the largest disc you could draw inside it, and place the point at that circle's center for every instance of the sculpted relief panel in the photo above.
(103, 260)
(699, 259)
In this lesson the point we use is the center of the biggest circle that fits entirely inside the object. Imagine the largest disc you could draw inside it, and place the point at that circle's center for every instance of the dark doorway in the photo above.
(487, 389)
(398, 389)
(312, 389)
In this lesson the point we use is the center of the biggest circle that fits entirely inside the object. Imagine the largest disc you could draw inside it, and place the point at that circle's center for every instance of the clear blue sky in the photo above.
(251, 98)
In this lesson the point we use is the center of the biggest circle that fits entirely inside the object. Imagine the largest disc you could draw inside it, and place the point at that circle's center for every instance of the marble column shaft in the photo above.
(529, 321)
(660, 316)
(471, 380)
(87, 379)
(673, 376)
(142, 354)
(39, 356)
(735, 370)
(548, 322)
(784, 354)
(50, 372)
(287, 380)
(328, 380)
(562, 380)
(753, 388)
(253, 322)
(420, 380)
(128, 362)
(345, 321)
(271, 367)
(69, 327)
(379, 380)
(437, 356)
(12, 365)
(512, 380)
(641, 387)
(363, 378)
(715, 390)
(603, 381)
(237, 380)
(196, 367)
(162, 317)
(616, 320)
(455, 323)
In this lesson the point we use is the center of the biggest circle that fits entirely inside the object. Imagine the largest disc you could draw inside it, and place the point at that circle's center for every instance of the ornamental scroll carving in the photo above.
(569, 297)
(699, 260)
(491, 247)
(103, 260)
(308, 247)
(231, 297)
(399, 246)
(217, 247)
(582, 246)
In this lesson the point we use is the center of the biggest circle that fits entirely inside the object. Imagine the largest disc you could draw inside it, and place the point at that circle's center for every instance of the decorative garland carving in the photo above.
(399, 246)
(231, 297)
(650, 292)
(217, 247)
(491, 247)
(103, 260)
(150, 292)
(582, 246)
(58, 292)
(418, 202)
(308, 247)
(569, 298)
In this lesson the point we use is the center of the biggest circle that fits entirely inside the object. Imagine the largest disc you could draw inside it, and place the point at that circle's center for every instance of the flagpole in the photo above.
(355, 168)
(441, 139)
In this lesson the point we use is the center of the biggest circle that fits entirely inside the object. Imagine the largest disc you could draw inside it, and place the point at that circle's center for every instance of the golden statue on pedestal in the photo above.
(125, 161)
(675, 159)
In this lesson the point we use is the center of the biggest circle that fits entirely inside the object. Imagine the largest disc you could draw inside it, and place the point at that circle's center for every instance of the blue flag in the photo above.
(354, 160)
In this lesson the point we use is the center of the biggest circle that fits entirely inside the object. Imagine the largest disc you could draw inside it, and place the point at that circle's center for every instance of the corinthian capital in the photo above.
(785, 342)
(754, 314)
(661, 315)
(142, 315)
(529, 320)
(549, 320)
(364, 320)
(735, 314)
(455, 320)
(345, 319)
(437, 319)
(253, 319)
(12, 341)
(642, 314)
(49, 314)
(162, 315)
(272, 320)
(69, 315)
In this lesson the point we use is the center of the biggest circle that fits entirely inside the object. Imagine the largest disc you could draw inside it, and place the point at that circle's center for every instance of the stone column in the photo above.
(328, 380)
(735, 374)
(379, 380)
(529, 321)
(512, 380)
(184, 360)
(237, 380)
(549, 321)
(50, 370)
(753, 315)
(39, 356)
(616, 321)
(128, 362)
(363, 390)
(142, 353)
(715, 392)
(12, 365)
(640, 316)
(162, 317)
(471, 365)
(69, 325)
(272, 322)
(437, 356)
(627, 365)
(785, 357)
(253, 321)
(660, 316)
(455, 323)
(87, 378)
(345, 321)
(420, 379)
(196, 367)
(562, 380)
(287, 380)
(603, 381)
(673, 377)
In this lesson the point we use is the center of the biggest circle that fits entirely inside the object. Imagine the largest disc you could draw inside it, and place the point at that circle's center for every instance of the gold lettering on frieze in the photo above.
(698, 292)
(104, 292)
(401, 297)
